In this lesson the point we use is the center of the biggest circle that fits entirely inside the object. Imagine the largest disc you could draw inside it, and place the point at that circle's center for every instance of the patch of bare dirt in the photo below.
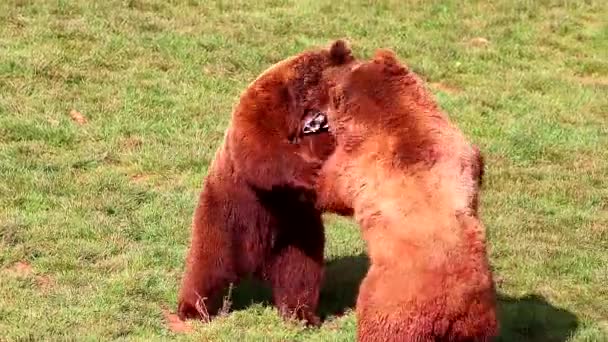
(175, 324)
(479, 42)
(449, 89)
(140, 178)
(21, 268)
(45, 283)
(77, 117)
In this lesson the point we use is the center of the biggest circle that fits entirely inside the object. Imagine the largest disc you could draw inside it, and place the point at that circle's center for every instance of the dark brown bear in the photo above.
(412, 179)
(256, 213)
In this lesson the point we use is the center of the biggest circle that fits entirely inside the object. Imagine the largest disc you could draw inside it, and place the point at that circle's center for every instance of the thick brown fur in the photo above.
(412, 180)
(256, 213)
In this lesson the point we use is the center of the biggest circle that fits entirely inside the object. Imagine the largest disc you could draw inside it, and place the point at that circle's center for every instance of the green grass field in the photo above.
(95, 209)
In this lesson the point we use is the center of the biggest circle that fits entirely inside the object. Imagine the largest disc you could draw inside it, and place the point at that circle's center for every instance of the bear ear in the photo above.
(385, 56)
(340, 52)
(389, 59)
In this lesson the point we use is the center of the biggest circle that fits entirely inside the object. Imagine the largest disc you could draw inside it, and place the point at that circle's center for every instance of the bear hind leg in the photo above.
(296, 278)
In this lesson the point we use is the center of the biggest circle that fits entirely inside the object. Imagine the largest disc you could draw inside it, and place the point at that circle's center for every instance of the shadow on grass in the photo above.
(342, 279)
(338, 294)
(532, 318)
(527, 318)
(250, 291)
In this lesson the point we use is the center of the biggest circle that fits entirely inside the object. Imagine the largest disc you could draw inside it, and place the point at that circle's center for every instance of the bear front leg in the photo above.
(296, 283)
(295, 274)
(209, 271)
(331, 195)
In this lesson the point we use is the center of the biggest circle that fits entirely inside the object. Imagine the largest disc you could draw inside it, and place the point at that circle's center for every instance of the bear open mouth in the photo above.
(316, 123)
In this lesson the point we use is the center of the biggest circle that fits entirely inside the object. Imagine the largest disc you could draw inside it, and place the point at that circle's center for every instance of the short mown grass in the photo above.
(94, 216)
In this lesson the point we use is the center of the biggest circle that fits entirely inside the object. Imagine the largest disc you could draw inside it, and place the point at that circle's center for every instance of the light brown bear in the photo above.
(256, 214)
(412, 179)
